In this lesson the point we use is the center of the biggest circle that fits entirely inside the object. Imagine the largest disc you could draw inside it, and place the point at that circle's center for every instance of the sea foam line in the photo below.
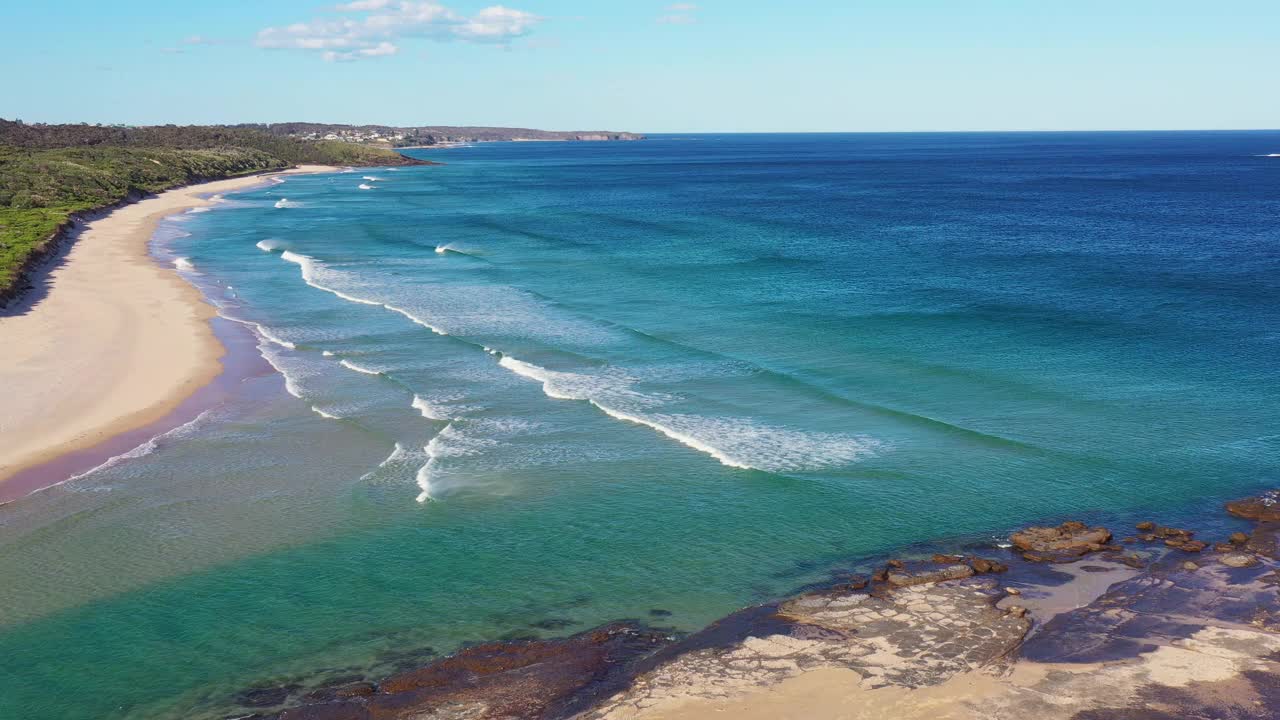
(290, 385)
(358, 368)
(826, 450)
(310, 267)
(325, 415)
(142, 450)
(777, 449)
(399, 453)
(262, 331)
(427, 410)
(435, 449)
(547, 378)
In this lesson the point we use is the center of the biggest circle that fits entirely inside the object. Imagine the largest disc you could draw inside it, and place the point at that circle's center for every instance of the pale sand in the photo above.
(116, 343)
(835, 694)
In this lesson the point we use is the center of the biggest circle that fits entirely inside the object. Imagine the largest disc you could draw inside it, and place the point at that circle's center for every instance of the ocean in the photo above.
(546, 386)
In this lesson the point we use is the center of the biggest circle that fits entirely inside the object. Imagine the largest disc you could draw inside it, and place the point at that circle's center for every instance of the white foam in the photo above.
(184, 265)
(144, 449)
(423, 477)
(578, 386)
(262, 331)
(293, 372)
(364, 186)
(270, 245)
(371, 178)
(352, 366)
(197, 210)
(399, 454)
(290, 381)
(270, 336)
(450, 442)
(734, 442)
(327, 353)
(312, 270)
(442, 249)
(287, 203)
(427, 409)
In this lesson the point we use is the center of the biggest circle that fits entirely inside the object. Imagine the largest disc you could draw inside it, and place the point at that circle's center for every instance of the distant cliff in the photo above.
(394, 136)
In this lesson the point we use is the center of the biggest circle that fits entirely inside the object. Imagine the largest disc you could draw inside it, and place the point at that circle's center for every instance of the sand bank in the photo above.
(111, 342)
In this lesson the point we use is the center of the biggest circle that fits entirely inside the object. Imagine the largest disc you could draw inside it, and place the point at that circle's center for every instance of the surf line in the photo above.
(310, 269)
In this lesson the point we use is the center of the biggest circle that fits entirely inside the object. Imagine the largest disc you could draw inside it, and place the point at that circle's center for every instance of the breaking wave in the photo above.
(144, 449)
(400, 456)
(312, 271)
(734, 442)
(326, 415)
(427, 409)
(358, 368)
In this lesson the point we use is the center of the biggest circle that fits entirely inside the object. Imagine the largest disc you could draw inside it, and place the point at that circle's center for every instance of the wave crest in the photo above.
(734, 442)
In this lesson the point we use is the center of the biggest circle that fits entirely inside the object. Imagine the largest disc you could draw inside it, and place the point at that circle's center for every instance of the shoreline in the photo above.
(109, 345)
(1066, 623)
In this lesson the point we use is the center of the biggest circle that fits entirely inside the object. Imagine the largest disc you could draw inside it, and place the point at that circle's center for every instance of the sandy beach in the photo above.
(115, 343)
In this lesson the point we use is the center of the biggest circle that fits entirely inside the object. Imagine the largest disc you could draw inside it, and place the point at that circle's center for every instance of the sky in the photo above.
(705, 66)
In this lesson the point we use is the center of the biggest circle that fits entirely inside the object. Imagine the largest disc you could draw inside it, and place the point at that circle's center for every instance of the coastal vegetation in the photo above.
(49, 172)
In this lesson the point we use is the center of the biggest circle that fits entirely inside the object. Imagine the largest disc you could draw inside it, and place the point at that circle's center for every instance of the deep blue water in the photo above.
(582, 381)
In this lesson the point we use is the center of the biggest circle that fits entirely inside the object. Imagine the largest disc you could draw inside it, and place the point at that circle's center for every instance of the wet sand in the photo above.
(113, 343)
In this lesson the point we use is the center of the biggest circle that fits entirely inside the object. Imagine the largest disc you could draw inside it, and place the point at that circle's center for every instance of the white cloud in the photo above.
(382, 48)
(679, 14)
(497, 24)
(361, 5)
(370, 28)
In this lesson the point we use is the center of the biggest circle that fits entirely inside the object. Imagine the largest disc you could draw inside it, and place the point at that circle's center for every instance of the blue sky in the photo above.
(713, 65)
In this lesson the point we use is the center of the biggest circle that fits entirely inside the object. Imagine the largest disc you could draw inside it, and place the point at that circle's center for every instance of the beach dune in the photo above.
(115, 343)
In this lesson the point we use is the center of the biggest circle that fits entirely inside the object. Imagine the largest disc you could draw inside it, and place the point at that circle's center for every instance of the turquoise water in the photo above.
(546, 386)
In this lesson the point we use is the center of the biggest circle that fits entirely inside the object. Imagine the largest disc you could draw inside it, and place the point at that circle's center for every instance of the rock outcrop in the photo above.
(1263, 508)
(921, 633)
(1180, 639)
(1066, 543)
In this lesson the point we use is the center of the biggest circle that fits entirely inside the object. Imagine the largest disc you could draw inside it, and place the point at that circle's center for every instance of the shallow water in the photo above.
(577, 382)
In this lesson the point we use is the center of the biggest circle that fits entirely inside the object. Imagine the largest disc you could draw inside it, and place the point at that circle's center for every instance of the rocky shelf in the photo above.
(1064, 624)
